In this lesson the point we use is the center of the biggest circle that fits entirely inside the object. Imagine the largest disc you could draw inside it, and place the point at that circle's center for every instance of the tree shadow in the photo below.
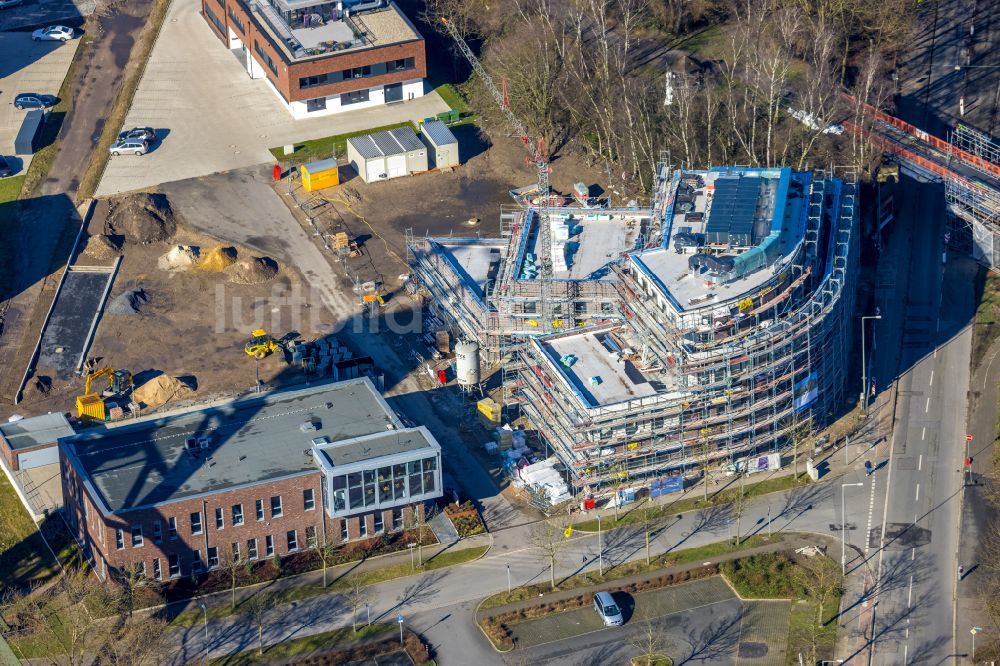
(716, 640)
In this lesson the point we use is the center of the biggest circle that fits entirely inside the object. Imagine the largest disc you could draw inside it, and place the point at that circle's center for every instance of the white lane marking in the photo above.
(923, 432)
(913, 554)
(909, 595)
(920, 461)
(917, 498)
(871, 515)
(927, 406)
(932, 378)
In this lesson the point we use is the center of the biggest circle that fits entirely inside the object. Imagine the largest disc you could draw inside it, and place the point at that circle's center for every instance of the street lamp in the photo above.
(204, 609)
(508, 580)
(843, 527)
(600, 547)
(864, 365)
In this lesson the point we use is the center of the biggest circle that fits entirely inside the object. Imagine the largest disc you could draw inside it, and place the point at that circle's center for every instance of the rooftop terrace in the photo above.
(593, 239)
(239, 443)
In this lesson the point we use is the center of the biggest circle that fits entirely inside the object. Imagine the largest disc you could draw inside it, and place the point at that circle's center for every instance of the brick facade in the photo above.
(286, 73)
(99, 533)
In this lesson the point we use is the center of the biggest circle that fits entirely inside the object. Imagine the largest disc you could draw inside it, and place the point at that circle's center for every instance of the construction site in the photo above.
(706, 327)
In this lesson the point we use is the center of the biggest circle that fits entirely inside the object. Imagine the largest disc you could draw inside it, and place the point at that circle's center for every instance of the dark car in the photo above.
(140, 133)
(5, 170)
(34, 101)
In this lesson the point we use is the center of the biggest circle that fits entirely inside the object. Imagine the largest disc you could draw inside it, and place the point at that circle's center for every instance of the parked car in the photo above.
(53, 33)
(606, 607)
(141, 133)
(4, 4)
(129, 147)
(5, 168)
(34, 101)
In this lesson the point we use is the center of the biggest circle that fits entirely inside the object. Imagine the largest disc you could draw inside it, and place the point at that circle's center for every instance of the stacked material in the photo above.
(543, 477)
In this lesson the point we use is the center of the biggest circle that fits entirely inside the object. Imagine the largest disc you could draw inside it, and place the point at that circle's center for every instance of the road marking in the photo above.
(909, 595)
(932, 378)
(920, 460)
(913, 553)
(927, 406)
(923, 432)
(917, 498)
(871, 515)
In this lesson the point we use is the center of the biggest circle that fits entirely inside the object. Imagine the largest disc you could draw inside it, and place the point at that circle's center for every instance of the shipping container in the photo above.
(318, 175)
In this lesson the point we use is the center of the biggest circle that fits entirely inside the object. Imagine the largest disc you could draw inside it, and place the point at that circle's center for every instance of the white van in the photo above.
(606, 607)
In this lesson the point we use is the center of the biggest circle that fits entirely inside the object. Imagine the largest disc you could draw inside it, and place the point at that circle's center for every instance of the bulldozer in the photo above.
(92, 403)
(261, 344)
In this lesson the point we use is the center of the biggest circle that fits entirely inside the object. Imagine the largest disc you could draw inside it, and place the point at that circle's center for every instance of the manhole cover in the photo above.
(750, 650)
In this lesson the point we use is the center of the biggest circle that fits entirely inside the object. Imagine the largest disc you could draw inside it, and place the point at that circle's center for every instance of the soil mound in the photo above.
(142, 218)
(38, 388)
(128, 302)
(102, 248)
(178, 258)
(217, 259)
(161, 390)
(257, 270)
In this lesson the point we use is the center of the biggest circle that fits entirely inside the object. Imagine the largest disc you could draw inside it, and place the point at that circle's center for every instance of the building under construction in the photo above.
(716, 324)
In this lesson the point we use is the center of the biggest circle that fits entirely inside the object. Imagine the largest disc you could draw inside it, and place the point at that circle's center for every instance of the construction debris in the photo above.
(128, 302)
(38, 388)
(257, 270)
(161, 390)
(141, 218)
(217, 259)
(178, 258)
(102, 247)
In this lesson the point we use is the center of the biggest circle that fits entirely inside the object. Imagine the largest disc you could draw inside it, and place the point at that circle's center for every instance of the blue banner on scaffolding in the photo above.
(806, 392)
(671, 484)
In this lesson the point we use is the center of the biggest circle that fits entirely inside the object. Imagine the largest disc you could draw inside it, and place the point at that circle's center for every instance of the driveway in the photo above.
(27, 66)
(214, 118)
(39, 12)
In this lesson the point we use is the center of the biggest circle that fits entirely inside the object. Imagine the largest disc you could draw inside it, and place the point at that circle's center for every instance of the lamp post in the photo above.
(204, 610)
(768, 521)
(508, 580)
(974, 631)
(864, 365)
(411, 546)
(600, 547)
(843, 527)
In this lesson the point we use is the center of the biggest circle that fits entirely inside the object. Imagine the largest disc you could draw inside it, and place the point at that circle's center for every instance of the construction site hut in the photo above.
(441, 144)
(387, 154)
(318, 175)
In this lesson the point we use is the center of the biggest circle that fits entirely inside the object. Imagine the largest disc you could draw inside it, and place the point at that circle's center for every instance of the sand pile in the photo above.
(141, 218)
(257, 270)
(178, 258)
(161, 390)
(102, 248)
(217, 259)
(129, 302)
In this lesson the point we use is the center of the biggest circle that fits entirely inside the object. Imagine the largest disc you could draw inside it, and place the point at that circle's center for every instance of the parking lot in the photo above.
(33, 13)
(213, 117)
(701, 622)
(27, 66)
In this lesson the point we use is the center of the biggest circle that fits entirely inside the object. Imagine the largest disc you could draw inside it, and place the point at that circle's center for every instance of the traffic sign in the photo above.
(399, 619)
(968, 438)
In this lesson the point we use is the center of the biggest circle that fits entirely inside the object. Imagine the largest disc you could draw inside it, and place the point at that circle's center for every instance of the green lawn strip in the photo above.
(194, 615)
(589, 578)
(23, 555)
(10, 188)
(301, 647)
(987, 321)
(44, 644)
(328, 146)
(636, 516)
(123, 100)
(452, 97)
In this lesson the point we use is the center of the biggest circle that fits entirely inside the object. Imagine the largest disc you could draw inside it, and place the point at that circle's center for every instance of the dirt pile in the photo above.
(141, 218)
(178, 258)
(102, 247)
(256, 270)
(128, 302)
(217, 259)
(161, 390)
(38, 388)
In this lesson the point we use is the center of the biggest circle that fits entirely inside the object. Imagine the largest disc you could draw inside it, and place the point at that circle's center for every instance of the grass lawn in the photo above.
(452, 98)
(10, 188)
(585, 579)
(23, 555)
(301, 647)
(636, 515)
(987, 326)
(327, 147)
(193, 616)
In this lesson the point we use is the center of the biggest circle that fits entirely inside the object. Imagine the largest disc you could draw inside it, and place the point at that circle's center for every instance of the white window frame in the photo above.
(170, 567)
(157, 531)
(172, 528)
(269, 545)
(119, 538)
(157, 572)
(209, 558)
(234, 515)
(281, 510)
(252, 549)
(259, 508)
(133, 531)
(220, 518)
(310, 503)
(201, 523)
(292, 540)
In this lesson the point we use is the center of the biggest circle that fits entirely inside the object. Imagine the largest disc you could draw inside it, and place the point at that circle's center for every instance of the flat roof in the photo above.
(387, 142)
(777, 226)
(438, 133)
(595, 238)
(379, 445)
(250, 441)
(37, 430)
(472, 260)
(597, 354)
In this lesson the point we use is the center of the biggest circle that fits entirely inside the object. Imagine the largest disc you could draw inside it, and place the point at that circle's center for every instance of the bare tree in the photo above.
(422, 516)
(232, 563)
(549, 536)
(132, 578)
(256, 608)
(326, 552)
(651, 643)
(357, 595)
(138, 641)
(822, 581)
(739, 505)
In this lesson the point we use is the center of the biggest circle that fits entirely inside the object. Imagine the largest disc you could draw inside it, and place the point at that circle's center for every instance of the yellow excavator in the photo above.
(261, 344)
(92, 404)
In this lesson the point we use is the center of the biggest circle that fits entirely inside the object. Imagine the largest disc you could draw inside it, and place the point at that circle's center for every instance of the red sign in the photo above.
(277, 172)
(968, 438)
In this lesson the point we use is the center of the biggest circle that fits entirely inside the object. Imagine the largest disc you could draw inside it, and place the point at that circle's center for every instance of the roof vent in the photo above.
(320, 441)
(309, 426)
(203, 442)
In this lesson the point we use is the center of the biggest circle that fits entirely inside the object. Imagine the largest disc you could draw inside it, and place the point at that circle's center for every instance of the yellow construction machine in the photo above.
(92, 403)
(261, 344)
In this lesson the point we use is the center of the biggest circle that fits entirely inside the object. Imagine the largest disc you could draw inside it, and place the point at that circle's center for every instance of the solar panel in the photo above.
(731, 218)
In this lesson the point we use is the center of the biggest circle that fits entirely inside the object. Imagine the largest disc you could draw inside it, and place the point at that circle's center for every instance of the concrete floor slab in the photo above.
(43, 488)
(66, 333)
(214, 118)
(27, 66)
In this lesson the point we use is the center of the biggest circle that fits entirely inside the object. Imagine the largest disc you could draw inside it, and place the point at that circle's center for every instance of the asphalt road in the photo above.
(924, 340)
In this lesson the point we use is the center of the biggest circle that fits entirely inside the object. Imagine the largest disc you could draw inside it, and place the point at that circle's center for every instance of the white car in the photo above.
(129, 147)
(53, 33)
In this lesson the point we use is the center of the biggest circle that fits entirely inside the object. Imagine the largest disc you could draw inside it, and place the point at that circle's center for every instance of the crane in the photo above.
(537, 155)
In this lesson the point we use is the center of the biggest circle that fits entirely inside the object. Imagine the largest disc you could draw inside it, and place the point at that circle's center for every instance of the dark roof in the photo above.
(250, 441)
(734, 207)
(378, 446)
(438, 133)
(387, 142)
(45, 429)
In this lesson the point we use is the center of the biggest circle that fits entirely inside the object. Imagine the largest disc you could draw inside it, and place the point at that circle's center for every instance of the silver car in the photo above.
(129, 147)
(606, 607)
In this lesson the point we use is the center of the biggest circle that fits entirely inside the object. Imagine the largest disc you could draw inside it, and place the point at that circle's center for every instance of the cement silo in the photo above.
(467, 363)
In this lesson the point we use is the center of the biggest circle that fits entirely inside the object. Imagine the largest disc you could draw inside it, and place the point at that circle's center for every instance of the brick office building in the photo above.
(269, 475)
(324, 57)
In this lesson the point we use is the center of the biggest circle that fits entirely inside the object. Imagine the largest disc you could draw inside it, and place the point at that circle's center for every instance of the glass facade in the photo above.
(384, 486)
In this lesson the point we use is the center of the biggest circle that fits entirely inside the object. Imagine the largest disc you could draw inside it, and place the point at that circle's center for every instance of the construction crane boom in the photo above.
(540, 158)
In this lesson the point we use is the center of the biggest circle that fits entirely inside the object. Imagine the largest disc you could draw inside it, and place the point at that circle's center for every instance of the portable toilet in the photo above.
(317, 175)
(441, 143)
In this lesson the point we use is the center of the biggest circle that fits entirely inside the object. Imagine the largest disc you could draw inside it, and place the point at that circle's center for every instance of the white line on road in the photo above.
(932, 378)
(927, 406)
(913, 553)
(909, 595)
(923, 431)
(920, 460)
(917, 498)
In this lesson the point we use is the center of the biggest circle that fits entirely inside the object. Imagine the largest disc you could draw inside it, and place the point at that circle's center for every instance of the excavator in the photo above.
(92, 404)
(261, 344)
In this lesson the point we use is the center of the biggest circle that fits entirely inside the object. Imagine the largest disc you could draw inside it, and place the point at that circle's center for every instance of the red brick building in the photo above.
(269, 475)
(323, 57)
